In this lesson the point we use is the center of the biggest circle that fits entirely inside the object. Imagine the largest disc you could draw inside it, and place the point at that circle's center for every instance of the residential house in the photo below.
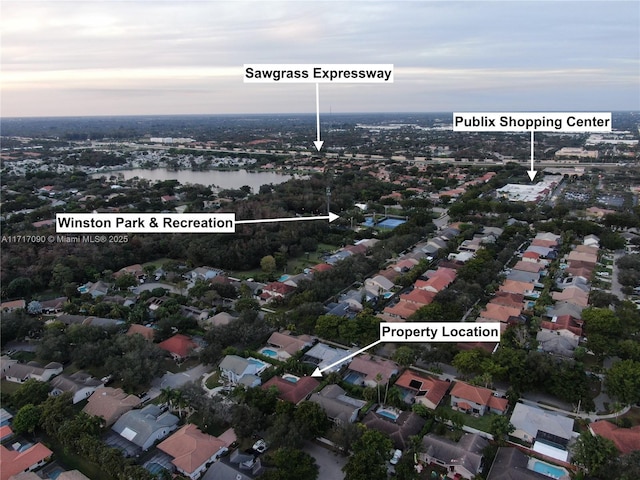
(6, 432)
(521, 276)
(203, 273)
(13, 305)
(464, 458)
(222, 318)
(95, 289)
(557, 342)
(5, 362)
(406, 425)
(530, 267)
(405, 265)
(291, 388)
(238, 466)
(193, 450)
(499, 313)
(295, 280)
(418, 388)
(147, 333)
(535, 424)
(338, 257)
(402, 310)
(573, 295)
(476, 400)
(591, 241)
(5, 417)
(508, 299)
(14, 461)
(20, 372)
(110, 404)
(136, 270)
(288, 345)
(626, 440)
(275, 290)
(370, 371)
(511, 464)
(564, 322)
(378, 285)
(54, 305)
(513, 286)
(419, 297)
(145, 426)
(194, 313)
(564, 308)
(179, 346)
(322, 355)
(242, 371)
(338, 406)
(80, 384)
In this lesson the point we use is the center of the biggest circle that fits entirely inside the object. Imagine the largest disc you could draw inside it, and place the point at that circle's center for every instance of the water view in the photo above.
(223, 179)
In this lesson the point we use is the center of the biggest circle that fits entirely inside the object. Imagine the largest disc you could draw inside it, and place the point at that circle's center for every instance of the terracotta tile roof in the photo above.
(190, 448)
(146, 332)
(530, 267)
(110, 404)
(179, 345)
(564, 322)
(508, 299)
(500, 312)
(539, 242)
(290, 391)
(372, 366)
(402, 309)
(436, 389)
(626, 440)
(418, 296)
(322, 267)
(513, 286)
(479, 395)
(12, 462)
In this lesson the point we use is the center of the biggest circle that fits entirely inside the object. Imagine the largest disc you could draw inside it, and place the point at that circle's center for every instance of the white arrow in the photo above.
(318, 143)
(532, 172)
(331, 217)
(318, 371)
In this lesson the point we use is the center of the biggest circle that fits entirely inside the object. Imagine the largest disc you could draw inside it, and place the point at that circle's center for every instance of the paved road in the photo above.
(616, 288)
(330, 463)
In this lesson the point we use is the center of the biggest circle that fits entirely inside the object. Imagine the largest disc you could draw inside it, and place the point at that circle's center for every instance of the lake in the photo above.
(233, 179)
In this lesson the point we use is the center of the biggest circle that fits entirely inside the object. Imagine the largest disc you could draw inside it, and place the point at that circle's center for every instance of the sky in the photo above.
(154, 57)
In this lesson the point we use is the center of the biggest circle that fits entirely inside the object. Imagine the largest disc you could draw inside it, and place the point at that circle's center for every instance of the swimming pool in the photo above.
(549, 470)
(284, 278)
(256, 362)
(290, 378)
(389, 413)
(353, 378)
(268, 352)
(83, 289)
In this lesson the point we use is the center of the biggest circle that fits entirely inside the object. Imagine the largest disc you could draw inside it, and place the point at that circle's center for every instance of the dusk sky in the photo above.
(62, 58)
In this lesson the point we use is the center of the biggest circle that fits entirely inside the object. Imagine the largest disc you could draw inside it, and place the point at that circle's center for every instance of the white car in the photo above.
(397, 455)
(260, 446)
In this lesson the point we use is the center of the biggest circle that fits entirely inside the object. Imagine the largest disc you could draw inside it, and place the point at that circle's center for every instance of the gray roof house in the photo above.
(558, 342)
(239, 466)
(464, 457)
(145, 426)
(533, 423)
(511, 464)
(242, 371)
(339, 407)
(80, 384)
(322, 355)
(21, 372)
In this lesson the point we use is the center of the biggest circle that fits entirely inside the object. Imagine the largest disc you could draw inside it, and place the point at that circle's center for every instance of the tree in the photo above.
(469, 361)
(404, 355)
(370, 454)
(125, 281)
(291, 463)
(623, 381)
(27, 418)
(30, 392)
(311, 419)
(34, 307)
(268, 264)
(593, 452)
(499, 428)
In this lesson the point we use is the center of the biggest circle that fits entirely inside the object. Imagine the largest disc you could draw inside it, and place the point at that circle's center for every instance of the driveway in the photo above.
(330, 463)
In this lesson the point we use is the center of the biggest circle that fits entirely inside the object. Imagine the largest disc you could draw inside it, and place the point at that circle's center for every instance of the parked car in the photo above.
(397, 455)
(260, 446)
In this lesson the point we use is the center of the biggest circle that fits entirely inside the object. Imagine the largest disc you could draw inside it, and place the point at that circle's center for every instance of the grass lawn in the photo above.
(75, 462)
(213, 381)
(9, 387)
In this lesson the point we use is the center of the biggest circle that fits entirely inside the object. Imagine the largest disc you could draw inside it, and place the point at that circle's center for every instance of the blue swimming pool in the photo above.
(290, 378)
(353, 378)
(388, 413)
(548, 470)
(268, 352)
